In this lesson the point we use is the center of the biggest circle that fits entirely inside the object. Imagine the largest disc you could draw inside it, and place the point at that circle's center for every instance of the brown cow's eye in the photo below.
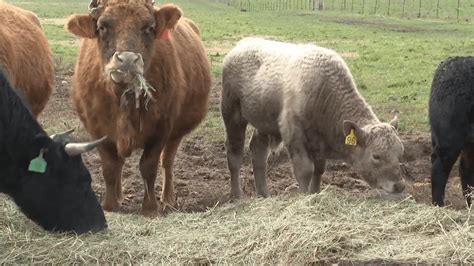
(102, 28)
(150, 29)
(376, 157)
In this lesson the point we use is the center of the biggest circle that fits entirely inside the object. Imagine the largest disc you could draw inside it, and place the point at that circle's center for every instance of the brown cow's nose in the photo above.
(124, 66)
(127, 57)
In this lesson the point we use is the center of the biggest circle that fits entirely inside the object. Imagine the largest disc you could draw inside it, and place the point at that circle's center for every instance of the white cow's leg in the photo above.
(259, 149)
(319, 166)
(235, 150)
(302, 165)
(235, 129)
(295, 140)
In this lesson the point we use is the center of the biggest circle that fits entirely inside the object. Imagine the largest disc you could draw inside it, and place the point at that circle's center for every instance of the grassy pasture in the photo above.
(439, 9)
(392, 61)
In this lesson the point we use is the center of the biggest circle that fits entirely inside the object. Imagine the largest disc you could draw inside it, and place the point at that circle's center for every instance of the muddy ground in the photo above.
(201, 175)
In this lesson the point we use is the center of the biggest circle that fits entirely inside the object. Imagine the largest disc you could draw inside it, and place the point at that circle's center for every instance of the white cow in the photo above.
(305, 96)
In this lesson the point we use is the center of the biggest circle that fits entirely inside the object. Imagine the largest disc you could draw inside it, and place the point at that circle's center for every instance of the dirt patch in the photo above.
(202, 178)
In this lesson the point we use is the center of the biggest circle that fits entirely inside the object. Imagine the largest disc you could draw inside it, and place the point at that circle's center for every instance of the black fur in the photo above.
(61, 199)
(451, 114)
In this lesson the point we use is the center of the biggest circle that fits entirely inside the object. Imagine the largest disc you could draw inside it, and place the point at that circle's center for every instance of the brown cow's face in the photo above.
(377, 156)
(126, 31)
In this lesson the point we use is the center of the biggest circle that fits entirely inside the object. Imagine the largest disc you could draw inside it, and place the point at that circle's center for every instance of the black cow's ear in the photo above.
(41, 141)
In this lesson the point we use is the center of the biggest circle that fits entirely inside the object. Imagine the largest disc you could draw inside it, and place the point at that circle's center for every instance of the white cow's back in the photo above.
(271, 77)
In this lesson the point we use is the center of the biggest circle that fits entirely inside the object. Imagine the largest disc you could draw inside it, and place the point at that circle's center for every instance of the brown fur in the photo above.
(180, 72)
(25, 56)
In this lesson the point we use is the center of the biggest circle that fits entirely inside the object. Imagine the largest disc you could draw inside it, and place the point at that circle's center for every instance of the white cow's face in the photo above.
(377, 155)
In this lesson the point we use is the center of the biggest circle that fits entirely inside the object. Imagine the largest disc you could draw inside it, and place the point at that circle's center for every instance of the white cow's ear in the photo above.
(360, 134)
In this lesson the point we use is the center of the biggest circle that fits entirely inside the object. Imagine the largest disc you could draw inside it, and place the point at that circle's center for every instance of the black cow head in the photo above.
(60, 198)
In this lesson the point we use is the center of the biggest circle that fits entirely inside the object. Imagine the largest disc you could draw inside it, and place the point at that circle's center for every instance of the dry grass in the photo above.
(328, 227)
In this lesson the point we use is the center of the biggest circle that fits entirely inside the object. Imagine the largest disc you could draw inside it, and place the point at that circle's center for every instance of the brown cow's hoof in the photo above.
(150, 212)
(169, 201)
(150, 208)
(168, 208)
(111, 206)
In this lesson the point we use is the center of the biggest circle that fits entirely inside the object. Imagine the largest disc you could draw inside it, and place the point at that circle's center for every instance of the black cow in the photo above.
(451, 114)
(58, 197)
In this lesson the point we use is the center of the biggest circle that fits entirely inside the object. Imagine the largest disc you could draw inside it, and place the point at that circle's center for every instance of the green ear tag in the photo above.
(38, 164)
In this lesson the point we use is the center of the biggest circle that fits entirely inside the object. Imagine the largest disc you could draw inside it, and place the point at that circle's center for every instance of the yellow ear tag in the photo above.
(351, 139)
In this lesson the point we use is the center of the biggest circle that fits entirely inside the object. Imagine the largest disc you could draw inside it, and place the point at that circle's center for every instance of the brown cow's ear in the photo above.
(359, 133)
(82, 26)
(167, 17)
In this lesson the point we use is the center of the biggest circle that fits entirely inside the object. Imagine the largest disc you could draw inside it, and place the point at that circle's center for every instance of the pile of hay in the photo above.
(329, 227)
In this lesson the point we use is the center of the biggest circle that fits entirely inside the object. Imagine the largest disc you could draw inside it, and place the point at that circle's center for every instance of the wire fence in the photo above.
(440, 9)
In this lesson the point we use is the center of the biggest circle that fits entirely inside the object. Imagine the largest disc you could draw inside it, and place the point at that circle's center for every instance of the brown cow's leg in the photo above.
(168, 196)
(149, 168)
(112, 171)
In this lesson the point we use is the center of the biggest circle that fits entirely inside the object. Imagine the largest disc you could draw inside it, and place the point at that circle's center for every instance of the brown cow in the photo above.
(25, 56)
(125, 43)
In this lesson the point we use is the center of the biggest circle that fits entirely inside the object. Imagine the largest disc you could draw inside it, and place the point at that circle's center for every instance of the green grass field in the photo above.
(438, 9)
(392, 61)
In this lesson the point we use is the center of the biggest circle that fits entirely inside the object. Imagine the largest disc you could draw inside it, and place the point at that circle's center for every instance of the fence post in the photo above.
(375, 10)
(388, 8)
(457, 15)
(437, 9)
(363, 5)
(419, 10)
(403, 8)
(352, 6)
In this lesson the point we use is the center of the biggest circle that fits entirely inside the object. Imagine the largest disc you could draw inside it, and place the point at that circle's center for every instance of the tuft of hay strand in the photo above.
(327, 227)
(139, 86)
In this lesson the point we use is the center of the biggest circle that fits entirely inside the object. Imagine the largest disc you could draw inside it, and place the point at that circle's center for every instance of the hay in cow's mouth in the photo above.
(142, 85)
(139, 86)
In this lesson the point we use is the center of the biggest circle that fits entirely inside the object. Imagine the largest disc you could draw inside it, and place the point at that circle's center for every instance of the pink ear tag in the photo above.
(166, 35)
